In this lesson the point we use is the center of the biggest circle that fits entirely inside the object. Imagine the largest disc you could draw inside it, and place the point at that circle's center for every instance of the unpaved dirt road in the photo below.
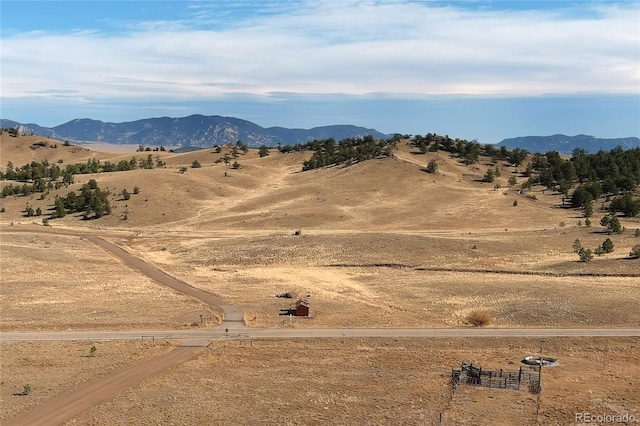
(68, 405)
(232, 313)
(188, 337)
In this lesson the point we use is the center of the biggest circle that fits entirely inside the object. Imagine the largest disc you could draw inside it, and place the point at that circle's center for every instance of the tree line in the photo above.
(328, 152)
(43, 176)
(614, 174)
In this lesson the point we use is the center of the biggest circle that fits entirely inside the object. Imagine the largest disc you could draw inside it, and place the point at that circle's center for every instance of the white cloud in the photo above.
(339, 47)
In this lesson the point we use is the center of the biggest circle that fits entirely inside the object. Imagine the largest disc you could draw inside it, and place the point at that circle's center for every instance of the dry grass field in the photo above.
(55, 367)
(382, 244)
(378, 381)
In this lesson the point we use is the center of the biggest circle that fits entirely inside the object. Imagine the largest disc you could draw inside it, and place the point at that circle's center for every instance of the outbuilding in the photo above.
(302, 308)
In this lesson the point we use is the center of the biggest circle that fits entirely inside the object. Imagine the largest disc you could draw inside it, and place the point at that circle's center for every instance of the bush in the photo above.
(635, 252)
(195, 164)
(585, 255)
(479, 318)
(26, 389)
(136, 190)
(183, 170)
(515, 203)
(577, 245)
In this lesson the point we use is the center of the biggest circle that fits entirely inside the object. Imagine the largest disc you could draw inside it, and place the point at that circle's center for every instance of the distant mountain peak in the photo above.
(566, 144)
(195, 130)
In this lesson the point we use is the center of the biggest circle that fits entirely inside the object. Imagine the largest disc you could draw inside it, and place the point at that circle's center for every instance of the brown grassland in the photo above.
(382, 244)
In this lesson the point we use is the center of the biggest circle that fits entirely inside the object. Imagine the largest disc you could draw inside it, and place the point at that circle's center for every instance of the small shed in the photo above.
(302, 308)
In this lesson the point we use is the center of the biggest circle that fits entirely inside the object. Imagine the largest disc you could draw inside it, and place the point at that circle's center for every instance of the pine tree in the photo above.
(585, 255)
(577, 245)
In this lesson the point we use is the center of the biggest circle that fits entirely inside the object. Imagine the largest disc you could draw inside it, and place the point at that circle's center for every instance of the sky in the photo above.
(472, 69)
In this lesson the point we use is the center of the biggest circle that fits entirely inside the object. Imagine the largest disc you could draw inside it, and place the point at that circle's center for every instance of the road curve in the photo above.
(232, 313)
(68, 405)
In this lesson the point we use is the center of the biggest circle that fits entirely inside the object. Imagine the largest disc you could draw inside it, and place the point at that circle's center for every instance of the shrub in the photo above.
(182, 170)
(607, 246)
(515, 203)
(432, 167)
(136, 190)
(585, 255)
(577, 245)
(195, 164)
(635, 252)
(125, 194)
(26, 389)
(637, 234)
(479, 318)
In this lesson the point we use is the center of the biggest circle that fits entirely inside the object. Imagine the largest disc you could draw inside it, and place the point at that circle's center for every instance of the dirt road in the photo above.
(208, 335)
(232, 313)
(68, 405)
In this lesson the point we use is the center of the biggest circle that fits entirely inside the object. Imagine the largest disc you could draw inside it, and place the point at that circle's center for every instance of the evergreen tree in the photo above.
(577, 245)
(432, 167)
(607, 246)
(585, 255)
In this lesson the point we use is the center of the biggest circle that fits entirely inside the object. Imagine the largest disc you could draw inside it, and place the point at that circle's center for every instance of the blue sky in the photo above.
(472, 69)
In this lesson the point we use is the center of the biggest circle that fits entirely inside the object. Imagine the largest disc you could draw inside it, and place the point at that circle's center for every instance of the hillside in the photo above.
(273, 193)
(566, 144)
(197, 131)
(382, 244)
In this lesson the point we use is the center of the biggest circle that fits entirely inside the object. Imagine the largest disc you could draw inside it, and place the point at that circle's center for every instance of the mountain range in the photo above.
(196, 131)
(566, 144)
(200, 131)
